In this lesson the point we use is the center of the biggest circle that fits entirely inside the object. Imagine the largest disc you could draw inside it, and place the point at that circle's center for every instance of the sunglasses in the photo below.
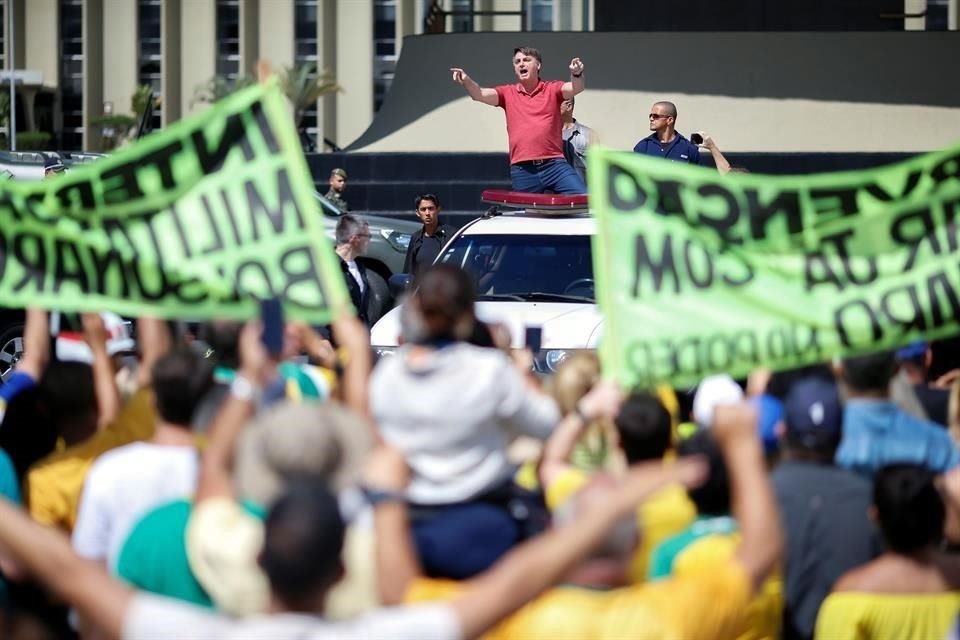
(657, 116)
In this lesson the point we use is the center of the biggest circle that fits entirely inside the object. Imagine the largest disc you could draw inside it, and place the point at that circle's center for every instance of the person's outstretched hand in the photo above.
(459, 75)
(576, 67)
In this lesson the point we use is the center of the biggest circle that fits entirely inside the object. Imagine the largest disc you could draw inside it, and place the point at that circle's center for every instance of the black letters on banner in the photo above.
(787, 204)
(284, 199)
(308, 273)
(937, 316)
(947, 169)
(876, 332)
(77, 196)
(723, 225)
(901, 234)
(644, 262)
(66, 252)
(614, 174)
(161, 160)
(669, 201)
(842, 199)
(34, 266)
(234, 133)
(120, 184)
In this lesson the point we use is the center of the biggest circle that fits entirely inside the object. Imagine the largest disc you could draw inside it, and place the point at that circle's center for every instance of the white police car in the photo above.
(531, 259)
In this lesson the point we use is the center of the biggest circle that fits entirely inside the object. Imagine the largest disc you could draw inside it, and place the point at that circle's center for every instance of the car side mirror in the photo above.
(399, 283)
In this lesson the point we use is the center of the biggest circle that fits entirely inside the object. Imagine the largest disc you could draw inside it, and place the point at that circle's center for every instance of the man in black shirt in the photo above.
(823, 507)
(425, 244)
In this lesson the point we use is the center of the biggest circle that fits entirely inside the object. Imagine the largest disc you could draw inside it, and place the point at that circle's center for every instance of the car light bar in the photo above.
(539, 202)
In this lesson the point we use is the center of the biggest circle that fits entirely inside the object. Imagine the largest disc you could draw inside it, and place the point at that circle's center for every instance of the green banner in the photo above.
(197, 221)
(699, 272)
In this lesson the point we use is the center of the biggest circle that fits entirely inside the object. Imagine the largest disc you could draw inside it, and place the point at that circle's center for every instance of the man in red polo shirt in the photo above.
(532, 108)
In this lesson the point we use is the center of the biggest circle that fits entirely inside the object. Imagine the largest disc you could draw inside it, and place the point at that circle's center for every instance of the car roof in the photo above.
(525, 224)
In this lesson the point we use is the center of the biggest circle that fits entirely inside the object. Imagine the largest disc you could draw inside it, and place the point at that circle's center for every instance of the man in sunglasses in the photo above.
(665, 142)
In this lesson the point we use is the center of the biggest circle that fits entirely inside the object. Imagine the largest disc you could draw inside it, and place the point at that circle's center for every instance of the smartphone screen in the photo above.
(271, 317)
(532, 341)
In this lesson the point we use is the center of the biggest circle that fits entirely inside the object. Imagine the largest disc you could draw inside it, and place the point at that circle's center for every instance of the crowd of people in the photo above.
(189, 480)
(193, 483)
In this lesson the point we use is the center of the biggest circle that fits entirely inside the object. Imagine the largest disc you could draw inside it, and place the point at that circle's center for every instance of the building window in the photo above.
(228, 39)
(384, 48)
(71, 74)
(3, 35)
(462, 23)
(540, 15)
(306, 50)
(150, 62)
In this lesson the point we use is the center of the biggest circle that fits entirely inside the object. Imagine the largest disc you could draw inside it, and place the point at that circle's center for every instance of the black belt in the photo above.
(534, 163)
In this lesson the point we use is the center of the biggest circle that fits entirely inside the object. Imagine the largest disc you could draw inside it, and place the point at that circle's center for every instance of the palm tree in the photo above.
(219, 87)
(303, 86)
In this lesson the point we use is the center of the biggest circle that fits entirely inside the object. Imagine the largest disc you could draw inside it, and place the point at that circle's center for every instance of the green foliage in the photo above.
(33, 140)
(138, 102)
(218, 88)
(304, 85)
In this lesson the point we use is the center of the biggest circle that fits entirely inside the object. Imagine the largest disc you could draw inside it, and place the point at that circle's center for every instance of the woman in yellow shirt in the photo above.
(911, 592)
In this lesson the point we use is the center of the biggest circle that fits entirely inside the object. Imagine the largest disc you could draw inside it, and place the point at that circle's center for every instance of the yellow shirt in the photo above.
(698, 606)
(765, 611)
(665, 514)
(53, 485)
(887, 616)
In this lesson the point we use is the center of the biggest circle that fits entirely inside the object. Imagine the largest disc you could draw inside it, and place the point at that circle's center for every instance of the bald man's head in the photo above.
(669, 108)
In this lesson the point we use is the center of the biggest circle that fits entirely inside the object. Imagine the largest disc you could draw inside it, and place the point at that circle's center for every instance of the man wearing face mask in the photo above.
(426, 243)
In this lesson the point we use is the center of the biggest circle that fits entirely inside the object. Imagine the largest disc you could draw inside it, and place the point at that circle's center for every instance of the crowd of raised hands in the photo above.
(190, 484)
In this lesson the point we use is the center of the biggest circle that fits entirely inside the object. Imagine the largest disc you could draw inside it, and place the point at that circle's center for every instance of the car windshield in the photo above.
(526, 267)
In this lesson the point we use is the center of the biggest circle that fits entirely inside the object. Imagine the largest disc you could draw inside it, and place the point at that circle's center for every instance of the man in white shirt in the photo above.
(125, 483)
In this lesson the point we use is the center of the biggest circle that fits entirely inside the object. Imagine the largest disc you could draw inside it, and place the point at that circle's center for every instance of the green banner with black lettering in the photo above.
(699, 272)
(199, 220)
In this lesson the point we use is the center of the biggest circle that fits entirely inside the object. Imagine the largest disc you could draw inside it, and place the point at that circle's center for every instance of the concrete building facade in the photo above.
(78, 60)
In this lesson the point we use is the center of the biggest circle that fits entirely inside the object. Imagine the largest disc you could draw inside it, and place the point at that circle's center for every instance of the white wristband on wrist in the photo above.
(244, 389)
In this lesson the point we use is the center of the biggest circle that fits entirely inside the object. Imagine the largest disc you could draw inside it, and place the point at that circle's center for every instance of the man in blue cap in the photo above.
(52, 167)
(823, 507)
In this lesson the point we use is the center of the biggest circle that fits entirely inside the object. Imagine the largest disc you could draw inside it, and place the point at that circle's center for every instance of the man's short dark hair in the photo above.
(713, 496)
(909, 507)
(180, 381)
(670, 108)
(644, 427)
(872, 372)
(348, 225)
(529, 51)
(426, 196)
(303, 540)
(67, 391)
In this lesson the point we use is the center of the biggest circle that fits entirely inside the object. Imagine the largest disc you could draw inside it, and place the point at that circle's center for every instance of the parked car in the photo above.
(533, 267)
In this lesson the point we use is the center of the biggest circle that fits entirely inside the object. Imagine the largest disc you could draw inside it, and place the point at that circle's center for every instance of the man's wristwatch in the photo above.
(376, 497)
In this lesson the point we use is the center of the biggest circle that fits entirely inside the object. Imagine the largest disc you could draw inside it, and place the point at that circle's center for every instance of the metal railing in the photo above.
(436, 18)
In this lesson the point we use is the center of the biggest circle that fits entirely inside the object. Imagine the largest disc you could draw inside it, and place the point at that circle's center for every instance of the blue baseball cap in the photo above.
(53, 164)
(813, 413)
(912, 351)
